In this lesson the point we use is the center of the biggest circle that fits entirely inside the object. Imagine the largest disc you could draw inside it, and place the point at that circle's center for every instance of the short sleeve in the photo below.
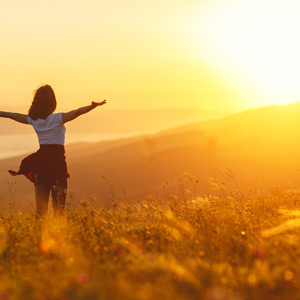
(59, 118)
(29, 120)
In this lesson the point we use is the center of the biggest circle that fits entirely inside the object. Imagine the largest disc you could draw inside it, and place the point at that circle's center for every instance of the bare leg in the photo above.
(59, 193)
(42, 192)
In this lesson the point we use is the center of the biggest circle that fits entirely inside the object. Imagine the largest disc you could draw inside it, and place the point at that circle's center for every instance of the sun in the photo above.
(257, 44)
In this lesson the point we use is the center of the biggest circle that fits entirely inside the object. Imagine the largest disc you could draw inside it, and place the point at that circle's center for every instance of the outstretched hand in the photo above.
(98, 103)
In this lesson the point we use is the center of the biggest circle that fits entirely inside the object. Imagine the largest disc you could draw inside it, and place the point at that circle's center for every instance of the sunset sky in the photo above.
(212, 54)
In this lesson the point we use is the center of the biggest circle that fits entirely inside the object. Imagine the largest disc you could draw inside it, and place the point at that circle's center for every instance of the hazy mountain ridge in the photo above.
(117, 120)
(259, 147)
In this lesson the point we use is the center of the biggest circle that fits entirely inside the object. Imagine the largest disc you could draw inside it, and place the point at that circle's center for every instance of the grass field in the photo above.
(231, 245)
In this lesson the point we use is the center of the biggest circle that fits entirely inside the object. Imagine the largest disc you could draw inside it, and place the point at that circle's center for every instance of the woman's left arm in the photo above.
(73, 114)
(14, 116)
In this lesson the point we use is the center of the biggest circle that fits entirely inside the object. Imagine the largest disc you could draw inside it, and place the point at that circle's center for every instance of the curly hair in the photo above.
(43, 104)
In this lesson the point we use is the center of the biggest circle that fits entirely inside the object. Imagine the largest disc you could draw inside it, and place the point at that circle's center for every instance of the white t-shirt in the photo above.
(49, 131)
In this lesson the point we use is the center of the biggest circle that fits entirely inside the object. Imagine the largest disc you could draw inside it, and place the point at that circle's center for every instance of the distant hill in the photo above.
(120, 121)
(259, 147)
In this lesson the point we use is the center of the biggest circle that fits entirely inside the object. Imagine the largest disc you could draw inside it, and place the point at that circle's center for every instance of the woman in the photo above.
(47, 168)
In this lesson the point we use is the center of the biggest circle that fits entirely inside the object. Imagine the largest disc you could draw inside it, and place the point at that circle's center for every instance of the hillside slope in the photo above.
(259, 147)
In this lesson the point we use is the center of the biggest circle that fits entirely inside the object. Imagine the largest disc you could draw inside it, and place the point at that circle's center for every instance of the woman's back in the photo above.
(51, 130)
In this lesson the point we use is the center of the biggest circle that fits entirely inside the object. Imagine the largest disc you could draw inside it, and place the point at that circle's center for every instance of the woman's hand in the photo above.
(98, 103)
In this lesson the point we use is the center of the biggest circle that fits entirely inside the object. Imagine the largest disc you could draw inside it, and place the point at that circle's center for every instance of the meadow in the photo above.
(224, 245)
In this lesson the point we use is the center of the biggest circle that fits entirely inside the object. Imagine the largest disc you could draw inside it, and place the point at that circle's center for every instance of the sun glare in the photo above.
(256, 43)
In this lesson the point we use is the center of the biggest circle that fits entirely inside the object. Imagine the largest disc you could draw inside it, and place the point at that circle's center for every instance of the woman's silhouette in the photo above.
(47, 167)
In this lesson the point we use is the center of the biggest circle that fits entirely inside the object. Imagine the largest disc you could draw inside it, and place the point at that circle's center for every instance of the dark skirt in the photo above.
(47, 165)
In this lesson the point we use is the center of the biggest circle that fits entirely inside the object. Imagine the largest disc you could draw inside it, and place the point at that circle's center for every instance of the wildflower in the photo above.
(288, 275)
(4, 295)
(252, 279)
(83, 278)
(47, 244)
(120, 253)
(260, 254)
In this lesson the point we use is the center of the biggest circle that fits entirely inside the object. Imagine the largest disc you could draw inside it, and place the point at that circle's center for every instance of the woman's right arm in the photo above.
(21, 118)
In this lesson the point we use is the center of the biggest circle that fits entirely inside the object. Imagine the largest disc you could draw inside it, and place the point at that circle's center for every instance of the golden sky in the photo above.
(212, 54)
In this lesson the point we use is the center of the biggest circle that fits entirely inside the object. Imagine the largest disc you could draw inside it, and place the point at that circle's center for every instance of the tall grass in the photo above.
(231, 245)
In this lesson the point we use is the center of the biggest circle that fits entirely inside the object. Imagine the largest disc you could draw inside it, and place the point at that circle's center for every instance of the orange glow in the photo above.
(254, 43)
(231, 55)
